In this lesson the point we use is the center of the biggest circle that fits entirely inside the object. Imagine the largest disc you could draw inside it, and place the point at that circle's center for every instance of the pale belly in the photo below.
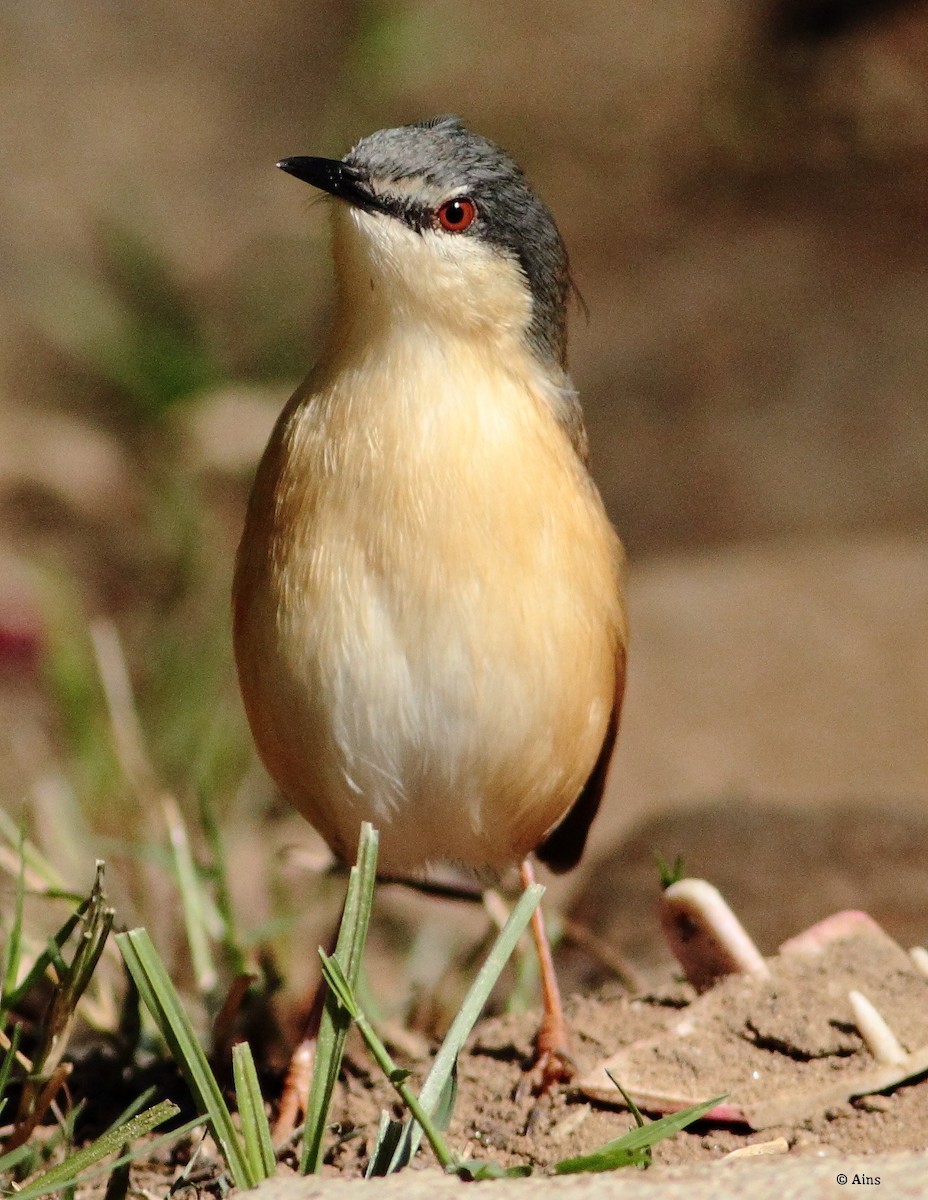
(438, 659)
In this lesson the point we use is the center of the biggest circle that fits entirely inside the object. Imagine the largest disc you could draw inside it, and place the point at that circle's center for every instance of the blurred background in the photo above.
(742, 187)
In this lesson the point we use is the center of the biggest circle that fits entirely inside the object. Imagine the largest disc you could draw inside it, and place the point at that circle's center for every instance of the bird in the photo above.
(428, 614)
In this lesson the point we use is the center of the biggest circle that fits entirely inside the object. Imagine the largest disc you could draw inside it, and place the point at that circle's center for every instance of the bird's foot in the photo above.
(552, 1064)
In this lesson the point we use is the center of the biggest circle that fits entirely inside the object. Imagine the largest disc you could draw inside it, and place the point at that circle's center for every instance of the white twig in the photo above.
(704, 934)
(919, 956)
(879, 1038)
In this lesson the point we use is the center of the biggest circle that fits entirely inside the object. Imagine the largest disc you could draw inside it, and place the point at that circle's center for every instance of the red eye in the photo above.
(457, 214)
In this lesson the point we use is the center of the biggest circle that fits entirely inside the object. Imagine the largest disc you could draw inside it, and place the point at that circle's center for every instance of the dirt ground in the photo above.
(777, 1047)
(796, 1040)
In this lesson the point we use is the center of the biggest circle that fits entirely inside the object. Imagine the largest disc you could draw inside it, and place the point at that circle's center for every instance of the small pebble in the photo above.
(778, 1145)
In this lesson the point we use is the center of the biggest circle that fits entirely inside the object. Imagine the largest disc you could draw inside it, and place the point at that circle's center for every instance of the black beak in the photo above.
(335, 177)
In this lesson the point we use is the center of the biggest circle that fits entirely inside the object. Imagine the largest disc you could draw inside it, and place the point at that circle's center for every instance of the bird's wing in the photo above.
(563, 847)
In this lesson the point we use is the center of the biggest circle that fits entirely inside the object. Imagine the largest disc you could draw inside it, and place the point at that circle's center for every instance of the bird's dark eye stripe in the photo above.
(416, 216)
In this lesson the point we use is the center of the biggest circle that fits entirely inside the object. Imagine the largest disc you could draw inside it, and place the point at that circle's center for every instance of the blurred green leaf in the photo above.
(634, 1148)
(134, 327)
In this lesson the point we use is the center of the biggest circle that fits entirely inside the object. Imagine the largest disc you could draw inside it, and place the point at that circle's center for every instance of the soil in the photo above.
(786, 1049)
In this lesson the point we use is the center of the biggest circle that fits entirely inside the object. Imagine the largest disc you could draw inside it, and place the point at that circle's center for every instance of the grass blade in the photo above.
(255, 1129)
(96, 920)
(162, 1001)
(111, 1142)
(220, 875)
(131, 1109)
(13, 953)
(9, 1059)
(333, 1028)
(634, 1147)
(98, 924)
(386, 1144)
(438, 1080)
(49, 956)
(147, 1149)
(475, 1171)
(14, 1157)
(41, 876)
(192, 900)
(341, 989)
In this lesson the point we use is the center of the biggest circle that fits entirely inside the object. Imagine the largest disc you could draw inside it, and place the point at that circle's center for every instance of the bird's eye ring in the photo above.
(457, 214)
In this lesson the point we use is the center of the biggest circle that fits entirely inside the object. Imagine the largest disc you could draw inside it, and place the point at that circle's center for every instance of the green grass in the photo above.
(161, 999)
(33, 1083)
(333, 1030)
(30, 1085)
(77, 1166)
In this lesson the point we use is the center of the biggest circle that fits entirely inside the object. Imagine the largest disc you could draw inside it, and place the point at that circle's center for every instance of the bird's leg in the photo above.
(295, 1091)
(296, 1088)
(553, 1063)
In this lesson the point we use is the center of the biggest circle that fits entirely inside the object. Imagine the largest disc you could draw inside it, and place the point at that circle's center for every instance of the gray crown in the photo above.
(450, 159)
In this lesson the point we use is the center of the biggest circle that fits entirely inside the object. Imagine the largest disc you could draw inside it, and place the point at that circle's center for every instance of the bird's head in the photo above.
(439, 225)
